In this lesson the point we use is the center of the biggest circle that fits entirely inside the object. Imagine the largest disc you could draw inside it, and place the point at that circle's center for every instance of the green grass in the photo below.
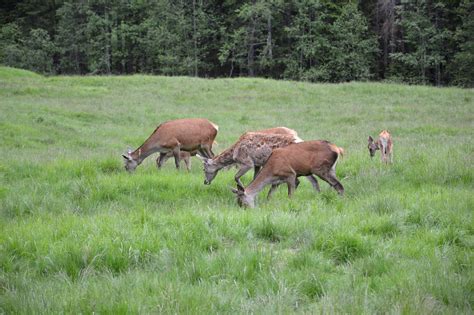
(80, 235)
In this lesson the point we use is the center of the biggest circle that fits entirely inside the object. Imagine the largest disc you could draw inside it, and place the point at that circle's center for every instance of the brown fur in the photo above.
(279, 130)
(286, 164)
(191, 134)
(250, 151)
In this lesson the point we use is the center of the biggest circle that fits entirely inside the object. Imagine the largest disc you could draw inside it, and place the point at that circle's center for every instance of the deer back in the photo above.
(258, 147)
(303, 158)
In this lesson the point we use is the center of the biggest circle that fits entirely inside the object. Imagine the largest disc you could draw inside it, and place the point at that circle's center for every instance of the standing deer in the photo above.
(384, 143)
(189, 135)
(251, 151)
(186, 156)
(286, 164)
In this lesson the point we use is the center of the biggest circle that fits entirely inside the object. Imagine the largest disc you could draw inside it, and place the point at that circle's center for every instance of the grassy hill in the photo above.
(79, 234)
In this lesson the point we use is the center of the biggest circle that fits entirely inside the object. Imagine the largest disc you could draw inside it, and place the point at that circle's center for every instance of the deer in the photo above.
(175, 136)
(251, 151)
(384, 143)
(186, 156)
(285, 165)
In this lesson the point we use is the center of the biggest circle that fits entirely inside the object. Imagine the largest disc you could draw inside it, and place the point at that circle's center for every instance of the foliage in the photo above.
(424, 43)
(35, 52)
(462, 67)
(311, 40)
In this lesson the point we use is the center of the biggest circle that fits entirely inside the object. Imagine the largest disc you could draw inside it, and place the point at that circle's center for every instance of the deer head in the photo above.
(373, 146)
(244, 199)
(130, 163)
(210, 169)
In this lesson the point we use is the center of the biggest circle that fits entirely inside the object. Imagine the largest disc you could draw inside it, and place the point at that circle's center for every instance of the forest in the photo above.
(411, 41)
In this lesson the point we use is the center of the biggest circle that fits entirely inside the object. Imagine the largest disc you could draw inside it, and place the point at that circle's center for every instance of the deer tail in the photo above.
(341, 152)
(338, 150)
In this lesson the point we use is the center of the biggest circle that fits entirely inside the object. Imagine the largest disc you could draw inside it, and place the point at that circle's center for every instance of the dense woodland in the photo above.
(413, 41)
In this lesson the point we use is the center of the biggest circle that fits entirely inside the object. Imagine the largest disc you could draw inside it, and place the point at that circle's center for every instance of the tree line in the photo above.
(413, 41)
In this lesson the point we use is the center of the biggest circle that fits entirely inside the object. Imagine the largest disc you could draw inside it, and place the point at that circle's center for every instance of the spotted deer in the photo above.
(250, 151)
(384, 143)
(286, 164)
(188, 135)
(186, 156)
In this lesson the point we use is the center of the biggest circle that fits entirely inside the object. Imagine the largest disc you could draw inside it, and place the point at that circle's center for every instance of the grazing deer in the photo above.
(191, 134)
(250, 151)
(286, 164)
(384, 143)
(186, 156)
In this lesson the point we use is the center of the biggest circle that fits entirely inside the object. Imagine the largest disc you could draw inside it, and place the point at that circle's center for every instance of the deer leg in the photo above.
(330, 178)
(187, 161)
(212, 152)
(256, 170)
(161, 160)
(297, 183)
(291, 182)
(176, 153)
(383, 152)
(314, 182)
(243, 169)
(272, 190)
(205, 153)
(208, 152)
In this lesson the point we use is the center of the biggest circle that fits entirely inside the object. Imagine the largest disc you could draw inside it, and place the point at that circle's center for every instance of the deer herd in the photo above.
(277, 155)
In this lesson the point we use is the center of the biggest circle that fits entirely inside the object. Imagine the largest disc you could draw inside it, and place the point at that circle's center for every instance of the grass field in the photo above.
(80, 235)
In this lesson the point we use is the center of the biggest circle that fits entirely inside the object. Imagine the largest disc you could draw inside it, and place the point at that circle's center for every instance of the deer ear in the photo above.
(202, 158)
(239, 191)
(371, 139)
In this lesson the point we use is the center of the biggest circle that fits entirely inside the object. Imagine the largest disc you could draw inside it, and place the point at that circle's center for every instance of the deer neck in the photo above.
(143, 152)
(224, 159)
(258, 184)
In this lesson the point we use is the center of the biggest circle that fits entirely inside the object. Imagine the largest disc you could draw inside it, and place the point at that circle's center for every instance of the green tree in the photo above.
(250, 45)
(11, 50)
(39, 51)
(33, 52)
(423, 43)
(98, 34)
(352, 49)
(71, 39)
(462, 68)
(308, 34)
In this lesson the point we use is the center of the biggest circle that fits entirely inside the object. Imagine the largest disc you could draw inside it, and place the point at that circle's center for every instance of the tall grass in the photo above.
(79, 234)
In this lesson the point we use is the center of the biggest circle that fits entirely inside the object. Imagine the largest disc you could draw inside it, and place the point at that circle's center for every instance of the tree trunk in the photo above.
(251, 52)
(195, 40)
(269, 36)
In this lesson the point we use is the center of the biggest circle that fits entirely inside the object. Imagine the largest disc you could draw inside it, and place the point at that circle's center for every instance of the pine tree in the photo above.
(423, 43)
(462, 68)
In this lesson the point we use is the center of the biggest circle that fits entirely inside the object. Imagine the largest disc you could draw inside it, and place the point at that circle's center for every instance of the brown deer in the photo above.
(186, 156)
(191, 134)
(384, 143)
(286, 164)
(251, 151)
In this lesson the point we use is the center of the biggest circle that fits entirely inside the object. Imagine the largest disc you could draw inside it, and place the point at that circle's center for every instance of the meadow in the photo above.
(80, 235)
